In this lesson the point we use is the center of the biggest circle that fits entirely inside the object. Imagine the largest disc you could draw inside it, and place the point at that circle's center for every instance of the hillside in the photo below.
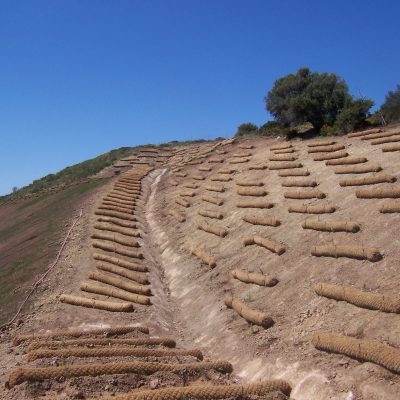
(227, 250)
(68, 176)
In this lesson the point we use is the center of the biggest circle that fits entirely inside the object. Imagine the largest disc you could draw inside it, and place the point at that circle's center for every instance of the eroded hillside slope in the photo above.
(253, 255)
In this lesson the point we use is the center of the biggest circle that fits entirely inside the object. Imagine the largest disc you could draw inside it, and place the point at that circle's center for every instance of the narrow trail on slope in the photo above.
(184, 307)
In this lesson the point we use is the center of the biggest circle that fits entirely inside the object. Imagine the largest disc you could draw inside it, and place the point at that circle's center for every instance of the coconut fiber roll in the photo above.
(181, 174)
(220, 178)
(118, 229)
(215, 188)
(198, 177)
(254, 203)
(284, 151)
(347, 161)
(182, 202)
(213, 200)
(246, 146)
(282, 157)
(357, 252)
(281, 146)
(360, 349)
(216, 230)
(115, 292)
(380, 135)
(260, 166)
(254, 277)
(136, 276)
(21, 375)
(187, 193)
(205, 257)
(326, 149)
(216, 160)
(177, 215)
(379, 193)
(242, 154)
(261, 220)
(210, 214)
(99, 304)
(272, 246)
(390, 206)
(107, 342)
(133, 266)
(393, 139)
(87, 352)
(118, 249)
(250, 315)
(358, 169)
(261, 389)
(360, 298)
(331, 226)
(124, 284)
(312, 208)
(319, 143)
(294, 172)
(75, 333)
(191, 185)
(390, 148)
(111, 237)
(249, 182)
(239, 160)
(299, 183)
(364, 133)
(116, 214)
(252, 191)
(367, 180)
(331, 156)
(284, 165)
(304, 194)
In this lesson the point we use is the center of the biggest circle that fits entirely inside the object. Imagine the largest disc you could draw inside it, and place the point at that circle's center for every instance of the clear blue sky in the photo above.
(81, 77)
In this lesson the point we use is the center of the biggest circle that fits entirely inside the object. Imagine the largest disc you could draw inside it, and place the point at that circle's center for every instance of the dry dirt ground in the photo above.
(188, 296)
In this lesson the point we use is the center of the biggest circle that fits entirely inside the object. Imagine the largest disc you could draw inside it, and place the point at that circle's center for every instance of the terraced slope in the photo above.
(274, 260)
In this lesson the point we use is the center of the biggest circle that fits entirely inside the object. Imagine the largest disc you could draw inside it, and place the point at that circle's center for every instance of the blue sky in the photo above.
(81, 77)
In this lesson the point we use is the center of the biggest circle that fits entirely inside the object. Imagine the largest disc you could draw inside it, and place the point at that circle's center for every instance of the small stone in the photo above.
(154, 383)
(255, 329)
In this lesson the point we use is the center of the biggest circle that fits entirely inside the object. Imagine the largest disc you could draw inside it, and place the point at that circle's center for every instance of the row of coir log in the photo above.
(130, 355)
(127, 353)
(334, 155)
(120, 270)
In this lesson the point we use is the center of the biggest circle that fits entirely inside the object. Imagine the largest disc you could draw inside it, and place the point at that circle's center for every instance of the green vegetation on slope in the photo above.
(71, 174)
(30, 234)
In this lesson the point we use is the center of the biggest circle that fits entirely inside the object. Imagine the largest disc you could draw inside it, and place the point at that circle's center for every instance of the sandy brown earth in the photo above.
(188, 295)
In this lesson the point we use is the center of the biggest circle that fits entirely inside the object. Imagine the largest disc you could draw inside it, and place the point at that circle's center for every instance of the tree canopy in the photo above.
(322, 99)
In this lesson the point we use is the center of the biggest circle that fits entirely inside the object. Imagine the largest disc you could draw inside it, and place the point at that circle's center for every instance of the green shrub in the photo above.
(352, 116)
(273, 128)
(247, 129)
(391, 107)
